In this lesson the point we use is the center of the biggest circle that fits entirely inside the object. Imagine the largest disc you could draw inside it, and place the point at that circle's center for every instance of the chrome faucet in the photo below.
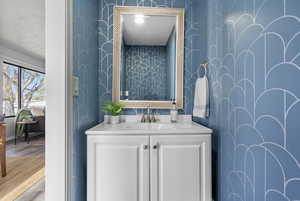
(148, 114)
(148, 118)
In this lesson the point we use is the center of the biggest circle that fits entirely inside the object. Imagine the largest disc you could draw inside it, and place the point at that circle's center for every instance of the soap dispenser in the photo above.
(173, 112)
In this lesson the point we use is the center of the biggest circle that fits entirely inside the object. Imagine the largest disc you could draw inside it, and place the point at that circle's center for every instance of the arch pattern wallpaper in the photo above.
(86, 105)
(254, 54)
(253, 48)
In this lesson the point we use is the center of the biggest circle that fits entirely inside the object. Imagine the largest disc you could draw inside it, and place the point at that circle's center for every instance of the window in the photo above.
(22, 88)
(32, 89)
(10, 89)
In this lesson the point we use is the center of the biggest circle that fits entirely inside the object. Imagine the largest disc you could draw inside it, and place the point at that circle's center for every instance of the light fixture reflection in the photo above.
(139, 19)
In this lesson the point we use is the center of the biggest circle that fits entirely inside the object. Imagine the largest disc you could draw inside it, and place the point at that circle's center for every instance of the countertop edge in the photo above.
(201, 131)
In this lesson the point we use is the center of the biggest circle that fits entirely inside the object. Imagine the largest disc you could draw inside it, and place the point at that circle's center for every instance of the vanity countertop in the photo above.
(131, 128)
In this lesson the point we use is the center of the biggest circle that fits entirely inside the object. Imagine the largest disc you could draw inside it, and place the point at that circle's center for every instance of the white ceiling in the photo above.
(154, 32)
(22, 26)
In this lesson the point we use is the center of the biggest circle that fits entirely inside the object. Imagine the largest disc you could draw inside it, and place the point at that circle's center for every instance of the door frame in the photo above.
(59, 99)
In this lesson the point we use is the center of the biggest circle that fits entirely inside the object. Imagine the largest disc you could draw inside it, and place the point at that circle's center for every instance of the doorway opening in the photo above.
(22, 100)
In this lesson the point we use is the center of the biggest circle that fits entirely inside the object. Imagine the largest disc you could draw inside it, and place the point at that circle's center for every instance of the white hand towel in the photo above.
(201, 99)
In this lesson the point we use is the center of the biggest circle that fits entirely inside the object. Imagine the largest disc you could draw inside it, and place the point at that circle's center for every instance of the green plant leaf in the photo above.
(113, 108)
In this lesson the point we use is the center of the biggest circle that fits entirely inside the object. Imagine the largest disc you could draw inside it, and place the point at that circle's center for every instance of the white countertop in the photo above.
(134, 128)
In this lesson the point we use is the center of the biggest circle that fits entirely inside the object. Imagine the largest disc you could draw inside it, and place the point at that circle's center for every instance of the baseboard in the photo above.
(24, 186)
(11, 138)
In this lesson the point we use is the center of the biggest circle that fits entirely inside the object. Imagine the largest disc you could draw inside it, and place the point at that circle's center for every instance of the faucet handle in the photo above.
(153, 119)
(148, 119)
(143, 120)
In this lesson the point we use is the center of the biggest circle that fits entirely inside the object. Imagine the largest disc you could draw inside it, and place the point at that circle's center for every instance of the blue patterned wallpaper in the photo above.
(253, 49)
(86, 105)
(195, 44)
(254, 72)
(146, 72)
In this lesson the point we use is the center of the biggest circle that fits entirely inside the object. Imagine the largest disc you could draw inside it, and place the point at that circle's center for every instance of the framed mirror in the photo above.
(148, 57)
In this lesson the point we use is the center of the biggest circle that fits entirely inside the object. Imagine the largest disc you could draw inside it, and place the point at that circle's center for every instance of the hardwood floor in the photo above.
(36, 148)
(35, 193)
(25, 167)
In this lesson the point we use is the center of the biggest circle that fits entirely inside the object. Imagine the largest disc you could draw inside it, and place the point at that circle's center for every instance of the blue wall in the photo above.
(254, 72)
(253, 50)
(146, 72)
(195, 43)
(86, 105)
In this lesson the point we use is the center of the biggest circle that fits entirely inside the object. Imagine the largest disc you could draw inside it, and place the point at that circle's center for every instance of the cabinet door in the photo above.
(180, 168)
(118, 168)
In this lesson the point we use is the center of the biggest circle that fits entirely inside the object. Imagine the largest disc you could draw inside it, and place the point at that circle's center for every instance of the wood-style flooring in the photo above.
(35, 193)
(25, 167)
(36, 148)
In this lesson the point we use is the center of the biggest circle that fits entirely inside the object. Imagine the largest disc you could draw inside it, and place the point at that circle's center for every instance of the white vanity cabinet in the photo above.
(118, 168)
(149, 167)
(180, 168)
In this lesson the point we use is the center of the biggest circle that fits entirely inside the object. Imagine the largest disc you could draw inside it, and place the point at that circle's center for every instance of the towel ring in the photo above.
(205, 65)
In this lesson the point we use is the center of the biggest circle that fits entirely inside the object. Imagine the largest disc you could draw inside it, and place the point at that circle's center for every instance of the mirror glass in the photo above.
(148, 57)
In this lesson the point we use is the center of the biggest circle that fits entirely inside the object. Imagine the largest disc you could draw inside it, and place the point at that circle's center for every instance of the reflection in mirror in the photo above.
(148, 57)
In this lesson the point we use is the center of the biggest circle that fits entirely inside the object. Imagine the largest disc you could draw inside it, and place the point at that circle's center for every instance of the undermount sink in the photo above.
(148, 126)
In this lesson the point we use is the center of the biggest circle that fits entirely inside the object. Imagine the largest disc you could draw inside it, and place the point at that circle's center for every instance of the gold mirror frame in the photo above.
(179, 13)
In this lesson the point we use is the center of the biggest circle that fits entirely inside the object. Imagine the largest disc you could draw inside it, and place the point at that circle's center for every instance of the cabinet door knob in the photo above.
(154, 146)
(145, 147)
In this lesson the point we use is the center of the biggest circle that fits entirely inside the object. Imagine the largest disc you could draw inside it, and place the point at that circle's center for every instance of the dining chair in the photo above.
(3, 148)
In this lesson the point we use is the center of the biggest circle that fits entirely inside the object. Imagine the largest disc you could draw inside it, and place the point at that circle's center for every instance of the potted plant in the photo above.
(114, 109)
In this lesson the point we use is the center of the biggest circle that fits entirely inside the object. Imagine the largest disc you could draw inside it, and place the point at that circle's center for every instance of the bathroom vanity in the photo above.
(135, 161)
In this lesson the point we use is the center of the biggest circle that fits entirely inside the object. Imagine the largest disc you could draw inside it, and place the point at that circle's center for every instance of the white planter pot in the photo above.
(115, 119)
(106, 119)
